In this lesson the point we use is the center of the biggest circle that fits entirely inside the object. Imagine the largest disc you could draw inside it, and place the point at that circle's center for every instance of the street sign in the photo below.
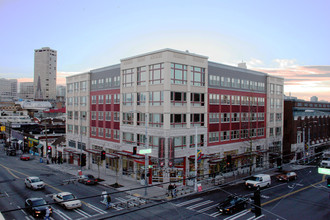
(145, 151)
(325, 171)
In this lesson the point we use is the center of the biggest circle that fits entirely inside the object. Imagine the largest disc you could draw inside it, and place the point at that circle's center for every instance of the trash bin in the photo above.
(41, 160)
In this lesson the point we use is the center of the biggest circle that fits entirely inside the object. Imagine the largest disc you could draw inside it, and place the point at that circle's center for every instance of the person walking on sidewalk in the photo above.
(108, 201)
(104, 197)
(170, 190)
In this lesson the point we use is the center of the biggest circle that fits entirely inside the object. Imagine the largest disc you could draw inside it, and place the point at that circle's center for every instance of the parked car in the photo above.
(37, 207)
(33, 182)
(67, 200)
(287, 176)
(25, 157)
(87, 179)
(258, 181)
(232, 204)
(11, 152)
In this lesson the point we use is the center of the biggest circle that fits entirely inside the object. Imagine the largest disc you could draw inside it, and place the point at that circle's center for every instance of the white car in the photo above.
(34, 182)
(67, 200)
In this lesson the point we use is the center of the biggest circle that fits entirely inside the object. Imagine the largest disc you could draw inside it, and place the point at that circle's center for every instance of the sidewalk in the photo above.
(156, 191)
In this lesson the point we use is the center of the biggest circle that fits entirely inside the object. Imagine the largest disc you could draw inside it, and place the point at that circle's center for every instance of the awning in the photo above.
(108, 155)
(73, 151)
(39, 146)
(111, 156)
(139, 161)
(130, 154)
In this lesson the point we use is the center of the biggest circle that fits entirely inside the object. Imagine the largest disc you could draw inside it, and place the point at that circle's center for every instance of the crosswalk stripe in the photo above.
(215, 214)
(81, 212)
(188, 202)
(199, 204)
(97, 209)
(207, 208)
(237, 215)
(60, 213)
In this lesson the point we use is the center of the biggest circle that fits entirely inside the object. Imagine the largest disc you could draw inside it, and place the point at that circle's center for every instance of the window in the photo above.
(245, 84)
(272, 103)
(154, 141)
(253, 116)
(76, 129)
(70, 129)
(278, 103)
(156, 98)
(107, 99)
(141, 75)
(279, 89)
(93, 115)
(225, 117)
(253, 132)
(107, 82)
(128, 118)
(244, 116)
(75, 100)
(141, 98)
(76, 115)
(70, 88)
(178, 98)
(101, 82)
(180, 141)
(213, 118)
(261, 86)
(178, 120)
(214, 99)
(244, 100)
(100, 132)
(235, 100)
(234, 135)
(236, 83)
(278, 116)
(94, 99)
(253, 101)
(197, 120)
(70, 114)
(76, 86)
(271, 132)
(224, 135)
(214, 80)
(116, 134)
(100, 99)
(108, 133)
(197, 76)
(178, 73)
(213, 137)
(260, 131)
(197, 99)
(116, 80)
(272, 88)
(234, 117)
(116, 116)
(83, 100)
(83, 130)
(156, 120)
(225, 81)
(128, 99)
(200, 140)
(244, 134)
(128, 138)
(83, 86)
(141, 118)
(278, 131)
(156, 73)
(93, 131)
(261, 101)
(225, 99)
(128, 78)
(100, 116)
(140, 139)
(108, 116)
(261, 116)
(116, 98)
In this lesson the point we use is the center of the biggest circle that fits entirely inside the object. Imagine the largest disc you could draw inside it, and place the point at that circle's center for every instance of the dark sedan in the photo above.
(87, 179)
(287, 176)
(37, 207)
(232, 204)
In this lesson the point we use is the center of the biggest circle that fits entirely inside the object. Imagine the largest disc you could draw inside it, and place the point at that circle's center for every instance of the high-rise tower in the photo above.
(45, 70)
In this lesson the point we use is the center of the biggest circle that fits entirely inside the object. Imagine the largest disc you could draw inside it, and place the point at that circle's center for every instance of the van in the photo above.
(258, 181)
(325, 162)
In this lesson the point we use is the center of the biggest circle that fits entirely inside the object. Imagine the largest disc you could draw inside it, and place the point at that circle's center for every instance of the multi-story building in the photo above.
(26, 90)
(306, 128)
(45, 70)
(8, 90)
(161, 100)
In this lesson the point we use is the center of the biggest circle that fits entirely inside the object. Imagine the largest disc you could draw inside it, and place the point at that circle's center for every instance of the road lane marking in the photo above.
(199, 204)
(81, 212)
(22, 210)
(291, 193)
(240, 214)
(232, 216)
(97, 209)
(215, 214)
(61, 214)
(207, 208)
(188, 202)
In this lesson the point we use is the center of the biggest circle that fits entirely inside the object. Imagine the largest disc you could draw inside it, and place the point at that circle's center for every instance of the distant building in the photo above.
(45, 62)
(314, 99)
(26, 90)
(61, 90)
(8, 90)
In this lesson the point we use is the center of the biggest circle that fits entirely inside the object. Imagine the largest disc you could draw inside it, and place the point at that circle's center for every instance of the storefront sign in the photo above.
(170, 152)
(161, 152)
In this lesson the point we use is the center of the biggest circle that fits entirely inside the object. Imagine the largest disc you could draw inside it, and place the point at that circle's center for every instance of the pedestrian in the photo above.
(170, 188)
(174, 190)
(104, 197)
(108, 201)
(47, 214)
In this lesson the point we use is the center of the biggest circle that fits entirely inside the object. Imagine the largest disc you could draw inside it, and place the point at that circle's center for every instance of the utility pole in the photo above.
(146, 157)
(195, 159)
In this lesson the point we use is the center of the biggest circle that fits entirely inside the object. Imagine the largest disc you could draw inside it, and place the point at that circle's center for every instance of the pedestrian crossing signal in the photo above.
(83, 160)
(103, 155)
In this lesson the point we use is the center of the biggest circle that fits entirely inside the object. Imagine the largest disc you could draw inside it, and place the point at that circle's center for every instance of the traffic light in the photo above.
(83, 160)
(279, 163)
(134, 150)
(328, 181)
(103, 155)
(228, 160)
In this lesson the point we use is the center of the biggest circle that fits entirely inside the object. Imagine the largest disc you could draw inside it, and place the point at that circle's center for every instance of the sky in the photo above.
(283, 38)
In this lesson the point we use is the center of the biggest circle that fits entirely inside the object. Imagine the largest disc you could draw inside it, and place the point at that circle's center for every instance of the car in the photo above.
(232, 204)
(287, 176)
(25, 157)
(34, 182)
(67, 200)
(11, 152)
(37, 207)
(258, 181)
(87, 179)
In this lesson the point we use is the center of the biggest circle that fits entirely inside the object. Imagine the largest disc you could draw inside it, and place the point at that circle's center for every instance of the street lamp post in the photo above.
(146, 158)
(195, 159)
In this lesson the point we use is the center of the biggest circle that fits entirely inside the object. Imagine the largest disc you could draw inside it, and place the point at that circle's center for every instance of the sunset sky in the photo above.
(284, 38)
